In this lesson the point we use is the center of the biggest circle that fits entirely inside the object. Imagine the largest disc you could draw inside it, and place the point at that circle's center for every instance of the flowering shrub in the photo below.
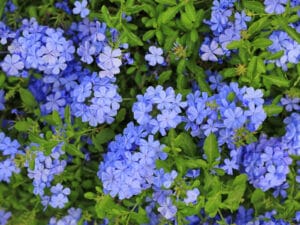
(149, 112)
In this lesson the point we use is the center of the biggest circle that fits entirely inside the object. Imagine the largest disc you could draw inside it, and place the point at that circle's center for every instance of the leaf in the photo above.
(211, 148)
(254, 6)
(235, 45)
(167, 2)
(22, 125)
(259, 25)
(2, 6)
(132, 39)
(236, 193)
(186, 143)
(251, 69)
(194, 35)
(169, 14)
(190, 10)
(148, 35)
(275, 80)
(272, 110)
(106, 16)
(27, 98)
(186, 22)
(261, 42)
(74, 151)
(276, 55)
(258, 200)
(229, 72)
(164, 76)
(283, 23)
(105, 136)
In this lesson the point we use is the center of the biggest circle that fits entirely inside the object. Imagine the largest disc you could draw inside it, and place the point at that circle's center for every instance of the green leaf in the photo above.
(259, 25)
(2, 6)
(272, 110)
(229, 72)
(106, 16)
(284, 24)
(22, 125)
(186, 22)
(74, 151)
(190, 10)
(89, 195)
(186, 143)
(132, 39)
(236, 193)
(276, 55)
(104, 136)
(211, 148)
(235, 45)
(251, 69)
(167, 2)
(194, 35)
(148, 35)
(254, 6)
(164, 76)
(169, 14)
(258, 200)
(275, 80)
(27, 98)
(261, 42)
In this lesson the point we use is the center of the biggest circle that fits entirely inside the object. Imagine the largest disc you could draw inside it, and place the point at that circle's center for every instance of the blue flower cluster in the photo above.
(266, 162)
(73, 217)
(224, 30)
(94, 41)
(158, 109)
(44, 170)
(226, 113)
(8, 149)
(292, 135)
(291, 49)
(129, 165)
(95, 100)
(38, 47)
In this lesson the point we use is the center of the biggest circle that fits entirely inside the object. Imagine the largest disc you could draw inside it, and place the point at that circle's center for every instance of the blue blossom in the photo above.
(63, 6)
(109, 61)
(275, 6)
(155, 56)
(73, 217)
(209, 50)
(5, 33)
(12, 65)
(2, 100)
(234, 118)
(59, 196)
(4, 217)
(229, 165)
(266, 163)
(86, 50)
(55, 102)
(191, 196)
(81, 8)
(168, 104)
(240, 20)
(290, 104)
(167, 209)
(292, 135)
(7, 168)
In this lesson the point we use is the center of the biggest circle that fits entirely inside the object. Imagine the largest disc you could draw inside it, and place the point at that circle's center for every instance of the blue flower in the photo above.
(81, 8)
(4, 217)
(12, 65)
(167, 209)
(240, 20)
(290, 103)
(2, 100)
(234, 118)
(208, 51)
(109, 61)
(59, 196)
(191, 196)
(155, 56)
(73, 217)
(275, 6)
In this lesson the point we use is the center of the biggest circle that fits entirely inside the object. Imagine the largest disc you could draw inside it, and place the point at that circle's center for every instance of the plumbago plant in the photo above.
(150, 112)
